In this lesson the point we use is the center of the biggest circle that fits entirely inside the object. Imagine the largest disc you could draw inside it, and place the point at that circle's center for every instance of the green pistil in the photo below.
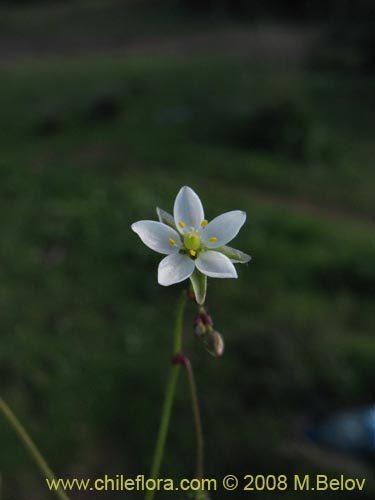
(192, 241)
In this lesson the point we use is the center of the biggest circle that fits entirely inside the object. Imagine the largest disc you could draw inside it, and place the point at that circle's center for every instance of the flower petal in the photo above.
(223, 228)
(188, 210)
(157, 235)
(175, 268)
(216, 265)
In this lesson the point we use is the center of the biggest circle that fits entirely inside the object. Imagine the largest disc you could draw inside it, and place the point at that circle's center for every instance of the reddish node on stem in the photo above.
(179, 358)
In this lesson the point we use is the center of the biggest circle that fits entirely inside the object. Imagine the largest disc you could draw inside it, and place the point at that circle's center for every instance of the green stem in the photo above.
(197, 419)
(30, 446)
(177, 346)
(169, 397)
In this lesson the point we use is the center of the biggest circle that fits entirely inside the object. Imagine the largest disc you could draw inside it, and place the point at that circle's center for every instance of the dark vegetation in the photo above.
(90, 144)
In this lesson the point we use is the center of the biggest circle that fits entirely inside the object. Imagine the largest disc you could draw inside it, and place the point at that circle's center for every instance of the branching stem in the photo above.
(169, 397)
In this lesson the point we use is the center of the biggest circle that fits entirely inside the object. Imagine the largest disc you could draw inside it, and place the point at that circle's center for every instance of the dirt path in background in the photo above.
(332, 212)
(274, 42)
(263, 41)
(335, 211)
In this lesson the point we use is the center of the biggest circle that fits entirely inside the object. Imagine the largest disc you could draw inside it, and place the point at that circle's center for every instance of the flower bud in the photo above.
(199, 327)
(204, 317)
(214, 343)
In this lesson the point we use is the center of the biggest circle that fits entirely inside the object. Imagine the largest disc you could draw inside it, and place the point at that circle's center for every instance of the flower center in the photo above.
(192, 241)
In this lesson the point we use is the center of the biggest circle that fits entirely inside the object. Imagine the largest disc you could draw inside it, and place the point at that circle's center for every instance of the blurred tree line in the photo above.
(350, 25)
(294, 9)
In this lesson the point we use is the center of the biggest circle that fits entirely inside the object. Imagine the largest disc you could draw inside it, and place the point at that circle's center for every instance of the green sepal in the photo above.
(199, 282)
(233, 254)
(165, 217)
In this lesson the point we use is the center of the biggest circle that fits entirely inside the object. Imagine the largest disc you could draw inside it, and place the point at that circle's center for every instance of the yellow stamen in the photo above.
(213, 239)
(193, 253)
(204, 222)
(172, 242)
(181, 224)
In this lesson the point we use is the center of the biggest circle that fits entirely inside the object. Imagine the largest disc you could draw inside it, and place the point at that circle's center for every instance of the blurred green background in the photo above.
(107, 109)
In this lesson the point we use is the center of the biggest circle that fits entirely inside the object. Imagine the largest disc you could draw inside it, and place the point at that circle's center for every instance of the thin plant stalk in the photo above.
(169, 397)
(197, 419)
(30, 446)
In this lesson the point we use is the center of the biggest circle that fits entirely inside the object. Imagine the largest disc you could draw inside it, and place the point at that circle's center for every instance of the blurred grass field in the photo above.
(90, 145)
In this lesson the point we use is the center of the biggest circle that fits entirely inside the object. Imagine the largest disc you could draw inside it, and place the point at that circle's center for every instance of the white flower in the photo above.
(195, 248)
